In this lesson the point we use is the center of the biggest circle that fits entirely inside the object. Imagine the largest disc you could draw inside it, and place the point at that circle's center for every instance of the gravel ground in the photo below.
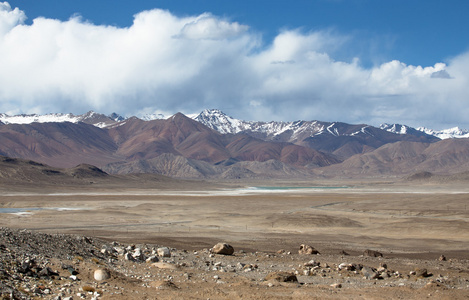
(36, 265)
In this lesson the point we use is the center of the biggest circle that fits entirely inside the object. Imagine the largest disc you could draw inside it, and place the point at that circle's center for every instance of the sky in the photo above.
(354, 61)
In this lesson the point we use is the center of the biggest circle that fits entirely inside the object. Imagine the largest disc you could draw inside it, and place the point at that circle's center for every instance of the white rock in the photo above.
(101, 274)
(164, 252)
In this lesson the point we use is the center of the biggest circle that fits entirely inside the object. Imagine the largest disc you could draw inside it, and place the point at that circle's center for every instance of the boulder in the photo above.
(223, 248)
(282, 277)
(422, 273)
(307, 249)
(163, 252)
(101, 274)
(369, 273)
(372, 253)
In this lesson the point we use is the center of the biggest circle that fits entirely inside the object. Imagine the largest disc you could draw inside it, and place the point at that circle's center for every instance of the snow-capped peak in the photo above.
(219, 121)
(450, 133)
(395, 128)
(91, 117)
(150, 117)
(35, 118)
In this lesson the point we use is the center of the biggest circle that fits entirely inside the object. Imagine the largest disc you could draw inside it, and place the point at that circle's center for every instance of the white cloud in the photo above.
(10, 18)
(207, 27)
(165, 63)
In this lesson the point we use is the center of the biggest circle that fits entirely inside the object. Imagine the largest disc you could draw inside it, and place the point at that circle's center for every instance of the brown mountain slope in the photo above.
(358, 139)
(26, 175)
(247, 148)
(58, 144)
(166, 164)
(401, 158)
(177, 135)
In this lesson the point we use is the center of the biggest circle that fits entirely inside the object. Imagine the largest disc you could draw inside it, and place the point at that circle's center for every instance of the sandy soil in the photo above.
(401, 221)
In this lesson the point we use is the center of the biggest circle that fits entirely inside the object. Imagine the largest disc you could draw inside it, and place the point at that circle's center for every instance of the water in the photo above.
(9, 210)
(276, 188)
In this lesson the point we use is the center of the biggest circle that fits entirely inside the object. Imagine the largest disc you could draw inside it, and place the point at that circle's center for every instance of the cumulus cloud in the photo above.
(165, 63)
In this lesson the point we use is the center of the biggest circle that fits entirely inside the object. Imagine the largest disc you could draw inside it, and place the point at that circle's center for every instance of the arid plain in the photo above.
(404, 221)
(392, 217)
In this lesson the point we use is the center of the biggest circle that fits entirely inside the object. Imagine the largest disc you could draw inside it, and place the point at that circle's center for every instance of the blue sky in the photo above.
(357, 61)
(414, 32)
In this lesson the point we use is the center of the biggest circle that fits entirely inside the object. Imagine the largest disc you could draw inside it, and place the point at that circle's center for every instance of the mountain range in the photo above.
(214, 145)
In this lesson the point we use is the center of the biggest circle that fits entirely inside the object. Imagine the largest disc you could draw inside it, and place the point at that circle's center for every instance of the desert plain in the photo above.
(413, 224)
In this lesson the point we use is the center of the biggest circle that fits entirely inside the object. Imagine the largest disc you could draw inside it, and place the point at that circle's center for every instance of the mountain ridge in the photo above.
(223, 123)
(181, 146)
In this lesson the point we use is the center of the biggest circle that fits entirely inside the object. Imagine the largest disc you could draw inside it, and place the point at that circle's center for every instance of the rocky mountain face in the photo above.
(340, 139)
(214, 145)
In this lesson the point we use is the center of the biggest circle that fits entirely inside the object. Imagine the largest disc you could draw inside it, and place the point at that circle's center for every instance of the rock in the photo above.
(422, 273)
(372, 253)
(442, 258)
(152, 259)
(70, 269)
(47, 272)
(223, 248)
(164, 284)
(342, 252)
(282, 277)
(162, 265)
(138, 255)
(129, 257)
(336, 285)
(163, 252)
(344, 266)
(369, 273)
(306, 249)
(311, 263)
(101, 274)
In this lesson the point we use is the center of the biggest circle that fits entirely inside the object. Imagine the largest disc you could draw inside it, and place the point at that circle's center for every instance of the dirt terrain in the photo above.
(411, 225)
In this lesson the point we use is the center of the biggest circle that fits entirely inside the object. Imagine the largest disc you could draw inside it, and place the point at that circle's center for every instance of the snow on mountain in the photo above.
(395, 128)
(219, 121)
(274, 130)
(150, 117)
(91, 117)
(32, 118)
(451, 133)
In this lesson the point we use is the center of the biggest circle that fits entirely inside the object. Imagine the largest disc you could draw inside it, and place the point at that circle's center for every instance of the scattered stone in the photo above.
(282, 277)
(70, 269)
(163, 252)
(223, 248)
(47, 272)
(101, 274)
(307, 249)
